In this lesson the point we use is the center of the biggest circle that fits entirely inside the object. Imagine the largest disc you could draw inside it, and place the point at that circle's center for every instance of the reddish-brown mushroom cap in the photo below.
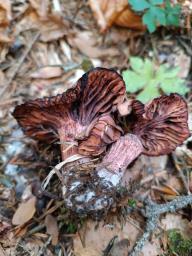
(69, 115)
(161, 125)
(157, 128)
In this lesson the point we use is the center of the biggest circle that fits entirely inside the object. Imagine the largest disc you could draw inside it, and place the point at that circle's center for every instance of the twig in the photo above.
(152, 212)
(43, 249)
(35, 229)
(20, 62)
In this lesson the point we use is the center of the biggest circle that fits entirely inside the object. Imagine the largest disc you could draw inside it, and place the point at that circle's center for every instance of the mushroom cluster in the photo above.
(84, 120)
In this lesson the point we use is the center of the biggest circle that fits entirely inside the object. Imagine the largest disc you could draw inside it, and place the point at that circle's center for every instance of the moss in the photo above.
(178, 244)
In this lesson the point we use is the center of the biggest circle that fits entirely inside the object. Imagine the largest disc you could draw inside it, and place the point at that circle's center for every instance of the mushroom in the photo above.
(81, 117)
(154, 129)
(157, 129)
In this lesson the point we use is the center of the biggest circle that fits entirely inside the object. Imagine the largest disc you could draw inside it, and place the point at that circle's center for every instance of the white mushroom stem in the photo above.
(121, 154)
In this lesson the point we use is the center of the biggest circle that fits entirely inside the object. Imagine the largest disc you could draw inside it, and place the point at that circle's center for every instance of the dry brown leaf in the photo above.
(152, 248)
(52, 27)
(47, 72)
(41, 7)
(175, 221)
(96, 240)
(4, 38)
(4, 226)
(5, 12)
(5, 18)
(24, 212)
(52, 228)
(120, 248)
(21, 231)
(85, 42)
(166, 190)
(118, 12)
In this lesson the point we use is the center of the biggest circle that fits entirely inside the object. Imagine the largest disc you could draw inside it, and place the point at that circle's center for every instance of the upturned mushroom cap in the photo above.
(70, 115)
(161, 124)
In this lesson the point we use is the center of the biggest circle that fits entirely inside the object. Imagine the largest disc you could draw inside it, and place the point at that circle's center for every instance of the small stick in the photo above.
(43, 249)
(20, 62)
(152, 212)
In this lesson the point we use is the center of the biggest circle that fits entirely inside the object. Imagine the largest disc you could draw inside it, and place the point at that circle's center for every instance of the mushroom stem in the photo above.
(122, 153)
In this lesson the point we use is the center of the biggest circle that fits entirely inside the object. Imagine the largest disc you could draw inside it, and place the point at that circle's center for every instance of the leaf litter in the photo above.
(63, 34)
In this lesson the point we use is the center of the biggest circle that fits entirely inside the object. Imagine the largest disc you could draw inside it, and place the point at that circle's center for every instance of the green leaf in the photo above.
(133, 81)
(158, 15)
(136, 63)
(148, 20)
(149, 80)
(164, 72)
(172, 19)
(150, 92)
(156, 2)
(148, 70)
(139, 5)
(172, 14)
(175, 87)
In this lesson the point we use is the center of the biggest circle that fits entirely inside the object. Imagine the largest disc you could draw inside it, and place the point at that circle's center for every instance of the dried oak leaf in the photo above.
(24, 212)
(109, 12)
(76, 114)
(161, 124)
(5, 19)
(52, 228)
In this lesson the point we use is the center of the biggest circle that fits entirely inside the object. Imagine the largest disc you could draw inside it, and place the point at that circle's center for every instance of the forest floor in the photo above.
(45, 47)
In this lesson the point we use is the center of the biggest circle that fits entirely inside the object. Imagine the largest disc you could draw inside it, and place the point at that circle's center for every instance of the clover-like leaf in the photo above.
(149, 81)
(139, 5)
(157, 12)
(156, 2)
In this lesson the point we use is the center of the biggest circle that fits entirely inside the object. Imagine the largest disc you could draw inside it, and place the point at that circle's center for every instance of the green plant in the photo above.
(149, 80)
(179, 245)
(132, 203)
(157, 12)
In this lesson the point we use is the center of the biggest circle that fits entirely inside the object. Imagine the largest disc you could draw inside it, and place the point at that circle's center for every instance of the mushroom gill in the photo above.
(162, 124)
(86, 109)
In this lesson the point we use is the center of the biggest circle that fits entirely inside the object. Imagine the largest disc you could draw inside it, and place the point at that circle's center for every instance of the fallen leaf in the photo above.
(86, 43)
(120, 248)
(5, 18)
(166, 190)
(52, 228)
(152, 248)
(41, 7)
(52, 27)
(47, 72)
(24, 212)
(179, 58)
(157, 163)
(5, 12)
(175, 221)
(4, 38)
(4, 226)
(96, 240)
(118, 12)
